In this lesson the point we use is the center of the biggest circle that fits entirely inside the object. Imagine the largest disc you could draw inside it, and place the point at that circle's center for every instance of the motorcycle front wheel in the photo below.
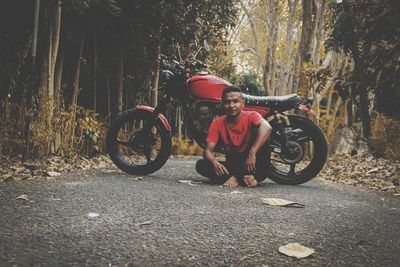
(138, 143)
(303, 156)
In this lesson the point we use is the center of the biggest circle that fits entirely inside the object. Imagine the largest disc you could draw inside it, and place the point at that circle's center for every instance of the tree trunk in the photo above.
(77, 71)
(304, 53)
(334, 114)
(95, 60)
(156, 78)
(365, 117)
(46, 87)
(58, 96)
(120, 80)
(361, 78)
(179, 122)
(319, 33)
(54, 43)
(30, 90)
(58, 71)
(254, 34)
(287, 55)
(271, 29)
(349, 110)
(108, 95)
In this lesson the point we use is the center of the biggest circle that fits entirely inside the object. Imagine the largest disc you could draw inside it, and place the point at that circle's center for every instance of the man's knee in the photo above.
(202, 165)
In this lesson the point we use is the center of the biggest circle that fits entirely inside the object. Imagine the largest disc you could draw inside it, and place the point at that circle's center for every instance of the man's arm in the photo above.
(262, 134)
(209, 155)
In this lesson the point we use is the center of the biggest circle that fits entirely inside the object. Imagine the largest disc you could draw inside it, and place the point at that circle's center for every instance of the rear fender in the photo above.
(160, 116)
(307, 109)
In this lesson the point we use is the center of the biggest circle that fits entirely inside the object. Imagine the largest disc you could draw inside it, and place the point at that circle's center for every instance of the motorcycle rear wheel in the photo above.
(313, 157)
(133, 150)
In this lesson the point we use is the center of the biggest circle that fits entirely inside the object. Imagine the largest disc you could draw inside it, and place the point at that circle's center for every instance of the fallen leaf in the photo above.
(296, 250)
(245, 257)
(53, 174)
(282, 202)
(145, 223)
(23, 197)
(372, 171)
(26, 207)
(396, 195)
(190, 182)
(137, 178)
(236, 192)
(93, 215)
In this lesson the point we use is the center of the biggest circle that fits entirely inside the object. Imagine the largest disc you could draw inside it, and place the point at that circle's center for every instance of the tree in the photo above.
(367, 32)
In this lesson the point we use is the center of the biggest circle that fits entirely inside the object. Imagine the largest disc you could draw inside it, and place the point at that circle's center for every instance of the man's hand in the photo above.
(219, 168)
(250, 163)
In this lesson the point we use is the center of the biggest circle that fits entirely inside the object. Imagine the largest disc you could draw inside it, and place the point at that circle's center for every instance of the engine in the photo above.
(203, 115)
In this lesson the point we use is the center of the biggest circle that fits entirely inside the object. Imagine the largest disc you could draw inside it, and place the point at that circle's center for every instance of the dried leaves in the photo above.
(189, 182)
(282, 202)
(296, 250)
(374, 173)
(51, 167)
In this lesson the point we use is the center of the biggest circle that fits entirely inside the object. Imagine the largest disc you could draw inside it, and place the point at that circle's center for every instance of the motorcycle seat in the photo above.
(274, 102)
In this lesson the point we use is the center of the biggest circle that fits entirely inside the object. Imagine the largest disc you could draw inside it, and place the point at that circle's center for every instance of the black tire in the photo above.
(318, 160)
(114, 147)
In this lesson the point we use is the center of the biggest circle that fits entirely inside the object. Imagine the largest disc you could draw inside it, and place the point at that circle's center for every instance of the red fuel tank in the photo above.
(207, 87)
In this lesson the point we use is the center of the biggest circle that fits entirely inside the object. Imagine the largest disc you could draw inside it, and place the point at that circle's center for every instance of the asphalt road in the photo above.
(160, 222)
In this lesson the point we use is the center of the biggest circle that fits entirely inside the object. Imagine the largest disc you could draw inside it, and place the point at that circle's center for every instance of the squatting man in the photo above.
(243, 135)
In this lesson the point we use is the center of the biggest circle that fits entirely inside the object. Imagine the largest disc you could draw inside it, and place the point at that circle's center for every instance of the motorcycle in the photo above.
(139, 140)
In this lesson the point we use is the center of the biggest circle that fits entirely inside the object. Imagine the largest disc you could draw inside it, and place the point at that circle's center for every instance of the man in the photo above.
(243, 134)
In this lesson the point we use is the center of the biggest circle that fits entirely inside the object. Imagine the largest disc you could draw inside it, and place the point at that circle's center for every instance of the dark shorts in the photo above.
(235, 164)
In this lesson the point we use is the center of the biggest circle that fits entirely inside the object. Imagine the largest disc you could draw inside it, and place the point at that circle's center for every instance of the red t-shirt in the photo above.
(236, 137)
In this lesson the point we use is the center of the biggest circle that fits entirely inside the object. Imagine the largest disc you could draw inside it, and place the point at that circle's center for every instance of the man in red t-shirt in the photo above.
(243, 134)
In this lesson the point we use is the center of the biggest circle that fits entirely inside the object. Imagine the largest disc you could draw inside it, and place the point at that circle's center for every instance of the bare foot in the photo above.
(232, 182)
(250, 181)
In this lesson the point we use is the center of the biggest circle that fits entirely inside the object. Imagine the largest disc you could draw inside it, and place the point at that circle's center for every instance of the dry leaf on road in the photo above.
(296, 250)
(145, 223)
(23, 197)
(93, 215)
(190, 182)
(282, 202)
(53, 174)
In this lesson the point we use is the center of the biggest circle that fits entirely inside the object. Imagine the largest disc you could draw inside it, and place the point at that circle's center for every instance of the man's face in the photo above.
(233, 104)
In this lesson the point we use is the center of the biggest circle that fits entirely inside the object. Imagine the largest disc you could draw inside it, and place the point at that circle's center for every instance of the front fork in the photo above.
(147, 137)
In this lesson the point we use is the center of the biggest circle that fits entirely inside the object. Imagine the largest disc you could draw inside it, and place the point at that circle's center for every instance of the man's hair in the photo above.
(232, 89)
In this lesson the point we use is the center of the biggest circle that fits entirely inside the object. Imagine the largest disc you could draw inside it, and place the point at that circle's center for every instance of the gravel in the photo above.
(108, 218)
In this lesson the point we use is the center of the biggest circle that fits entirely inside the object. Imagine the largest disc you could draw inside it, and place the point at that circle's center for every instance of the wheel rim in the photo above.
(291, 165)
(135, 147)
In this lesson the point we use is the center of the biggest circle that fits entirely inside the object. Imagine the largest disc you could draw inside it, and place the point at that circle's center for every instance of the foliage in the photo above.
(83, 135)
(250, 84)
(369, 31)
(114, 33)
(185, 147)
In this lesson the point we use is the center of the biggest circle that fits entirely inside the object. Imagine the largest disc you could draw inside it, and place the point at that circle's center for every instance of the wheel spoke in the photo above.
(292, 169)
(279, 161)
(147, 152)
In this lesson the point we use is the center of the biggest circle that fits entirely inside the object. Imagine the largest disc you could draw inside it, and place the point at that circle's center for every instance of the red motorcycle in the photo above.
(139, 139)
